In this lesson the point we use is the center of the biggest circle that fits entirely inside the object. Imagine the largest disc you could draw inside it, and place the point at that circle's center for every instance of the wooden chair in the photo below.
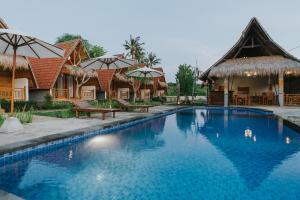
(126, 106)
(84, 106)
(242, 97)
(268, 98)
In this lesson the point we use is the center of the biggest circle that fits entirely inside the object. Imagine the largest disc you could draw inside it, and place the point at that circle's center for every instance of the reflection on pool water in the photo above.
(192, 154)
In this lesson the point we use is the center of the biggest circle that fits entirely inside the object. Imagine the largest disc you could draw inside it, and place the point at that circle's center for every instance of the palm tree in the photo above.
(135, 48)
(152, 60)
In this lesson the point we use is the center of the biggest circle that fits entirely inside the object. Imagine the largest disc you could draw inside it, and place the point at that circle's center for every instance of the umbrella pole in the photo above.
(144, 87)
(12, 99)
(109, 97)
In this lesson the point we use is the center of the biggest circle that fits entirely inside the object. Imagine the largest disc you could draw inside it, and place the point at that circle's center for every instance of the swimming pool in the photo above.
(191, 154)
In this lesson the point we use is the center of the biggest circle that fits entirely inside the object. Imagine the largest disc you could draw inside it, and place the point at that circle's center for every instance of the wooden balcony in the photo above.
(64, 94)
(20, 93)
(60, 93)
(87, 94)
(292, 99)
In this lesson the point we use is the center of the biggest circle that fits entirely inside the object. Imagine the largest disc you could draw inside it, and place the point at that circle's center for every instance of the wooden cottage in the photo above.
(24, 81)
(122, 87)
(59, 77)
(116, 82)
(255, 71)
(160, 84)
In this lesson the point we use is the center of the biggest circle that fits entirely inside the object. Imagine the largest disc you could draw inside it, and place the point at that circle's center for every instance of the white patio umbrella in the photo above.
(107, 62)
(16, 43)
(144, 72)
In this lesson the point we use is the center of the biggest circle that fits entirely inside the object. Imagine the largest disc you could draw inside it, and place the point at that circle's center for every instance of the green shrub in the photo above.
(141, 102)
(60, 114)
(1, 119)
(25, 117)
(62, 105)
(48, 101)
(64, 114)
(49, 104)
(19, 105)
(160, 99)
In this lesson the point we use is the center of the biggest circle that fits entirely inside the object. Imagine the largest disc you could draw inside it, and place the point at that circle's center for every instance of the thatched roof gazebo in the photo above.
(6, 62)
(260, 66)
(255, 55)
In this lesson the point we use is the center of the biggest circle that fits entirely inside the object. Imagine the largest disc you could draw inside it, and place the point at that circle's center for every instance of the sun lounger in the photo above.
(126, 106)
(84, 106)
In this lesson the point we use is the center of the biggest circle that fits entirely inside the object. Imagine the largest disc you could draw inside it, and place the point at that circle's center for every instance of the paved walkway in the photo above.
(44, 128)
(286, 112)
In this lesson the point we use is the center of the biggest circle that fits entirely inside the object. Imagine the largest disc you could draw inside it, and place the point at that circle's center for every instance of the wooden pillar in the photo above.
(226, 92)
(281, 88)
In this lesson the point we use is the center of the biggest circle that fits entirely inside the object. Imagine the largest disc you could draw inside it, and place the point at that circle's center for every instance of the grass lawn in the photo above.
(59, 113)
(152, 103)
(69, 113)
(115, 104)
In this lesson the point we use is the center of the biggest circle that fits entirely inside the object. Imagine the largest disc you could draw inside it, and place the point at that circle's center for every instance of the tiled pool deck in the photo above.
(289, 113)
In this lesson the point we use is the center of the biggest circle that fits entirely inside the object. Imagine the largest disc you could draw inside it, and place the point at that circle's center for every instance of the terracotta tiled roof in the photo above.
(105, 77)
(46, 70)
(68, 46)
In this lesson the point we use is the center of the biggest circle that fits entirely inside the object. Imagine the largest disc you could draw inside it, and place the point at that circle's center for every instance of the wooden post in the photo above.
(24, 94)
(12, 99)
(226, 92)
(281, 89)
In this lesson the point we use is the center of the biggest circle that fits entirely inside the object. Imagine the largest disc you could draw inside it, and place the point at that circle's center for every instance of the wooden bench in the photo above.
(126, 106)
(103, 111)
(84, 106)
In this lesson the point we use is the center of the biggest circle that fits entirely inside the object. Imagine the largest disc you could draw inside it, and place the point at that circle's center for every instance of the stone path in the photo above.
(289, 113)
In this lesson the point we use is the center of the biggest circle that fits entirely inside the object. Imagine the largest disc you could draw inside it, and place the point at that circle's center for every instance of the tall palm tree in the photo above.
(152, 59)
(135, 48)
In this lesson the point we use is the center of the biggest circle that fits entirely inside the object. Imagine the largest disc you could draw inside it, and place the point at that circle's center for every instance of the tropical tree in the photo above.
(136, 84)
(93, 50)
(135, 48)
(81, 77)
(152, 59)
(186, 78)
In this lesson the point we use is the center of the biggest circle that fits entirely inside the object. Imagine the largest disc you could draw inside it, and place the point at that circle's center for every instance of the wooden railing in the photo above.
(292, 99)
(60, 93)
(20, 93)
(87, 95)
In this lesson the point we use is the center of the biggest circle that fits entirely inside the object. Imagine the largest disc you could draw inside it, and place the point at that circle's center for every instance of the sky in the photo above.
(194, 32)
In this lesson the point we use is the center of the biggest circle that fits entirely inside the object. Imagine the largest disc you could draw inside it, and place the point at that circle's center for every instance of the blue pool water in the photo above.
(192, 154)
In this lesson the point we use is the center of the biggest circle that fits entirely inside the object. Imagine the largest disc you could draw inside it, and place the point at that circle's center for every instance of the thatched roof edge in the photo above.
(258, 66)
(253, 21)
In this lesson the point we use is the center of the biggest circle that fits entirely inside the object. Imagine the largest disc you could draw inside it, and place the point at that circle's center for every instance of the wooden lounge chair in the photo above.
(84, 106)
(126, 106)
